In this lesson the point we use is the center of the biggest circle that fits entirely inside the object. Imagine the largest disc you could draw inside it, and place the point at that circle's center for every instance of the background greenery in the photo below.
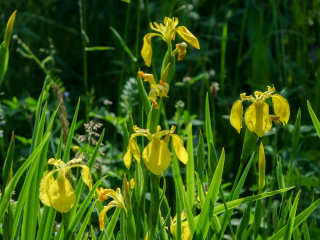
(245, 46)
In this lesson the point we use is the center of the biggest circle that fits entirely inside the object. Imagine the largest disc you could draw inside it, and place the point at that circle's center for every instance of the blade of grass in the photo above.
(124, 45)
(314, 118)
(70, 137)
(85, 223)
(190, 168)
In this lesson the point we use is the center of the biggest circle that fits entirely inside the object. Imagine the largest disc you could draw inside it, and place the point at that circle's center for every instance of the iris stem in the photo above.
(154, 206)
(66, 218)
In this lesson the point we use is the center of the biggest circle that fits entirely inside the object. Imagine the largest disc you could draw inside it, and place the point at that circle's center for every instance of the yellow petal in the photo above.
(179, 148)
(104, 212)
(236, 115)
(188, 36)
(61, 194)
(185, 231)
(281, 108)
(86, 176)
(118, 199)
(7, 36)
(257, 118)
(146, 51)
(45, 184)
(157, 156)
(132, 149)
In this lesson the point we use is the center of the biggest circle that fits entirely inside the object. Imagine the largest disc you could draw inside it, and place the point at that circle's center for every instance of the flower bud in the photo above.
(262, 168)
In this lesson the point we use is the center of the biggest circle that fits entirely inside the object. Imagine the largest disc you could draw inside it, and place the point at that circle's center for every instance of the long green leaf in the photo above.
(13, 183)
(210, 202)
(77, 217)
(8, 163)
(314, 118)
(85, 223)
(177, 176)
(190, 168)
(144, 97)
(191, 223)
(71, 132)
(124, 45)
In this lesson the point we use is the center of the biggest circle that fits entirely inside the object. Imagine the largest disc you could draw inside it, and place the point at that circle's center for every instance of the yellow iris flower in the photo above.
(117, 202)
(167, 32)
(185, 231)
(59, 193)
(156, 90)
(257, 116)
(156, 154)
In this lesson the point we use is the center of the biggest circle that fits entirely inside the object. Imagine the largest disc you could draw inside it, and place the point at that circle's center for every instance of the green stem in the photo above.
(155, 205)
(188, 101)
(66, 218)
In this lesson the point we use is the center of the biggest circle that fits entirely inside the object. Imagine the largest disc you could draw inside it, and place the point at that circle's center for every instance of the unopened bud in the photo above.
(7, 36)
(262, 168)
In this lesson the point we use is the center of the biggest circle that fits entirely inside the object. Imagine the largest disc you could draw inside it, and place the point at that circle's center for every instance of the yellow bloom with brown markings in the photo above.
(156, 90)
(257, 116)
(59, 193)
(167, 32)
(156, 154)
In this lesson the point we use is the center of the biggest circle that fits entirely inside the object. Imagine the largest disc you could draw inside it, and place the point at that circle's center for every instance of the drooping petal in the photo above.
(188, 36)
(104, 212)
(179, 148)
(117, 197)
(45, 184)
(86, 176)
(132, 149)
(236, 115)
(281, 108)
(61, 194)
(156, 156)
(146, 51)
(257, 118)
(85, 173)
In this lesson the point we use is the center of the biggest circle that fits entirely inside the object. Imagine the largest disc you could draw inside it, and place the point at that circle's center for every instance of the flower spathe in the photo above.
(167, 32)
(59, 193)
(156, 90)
(156, 154)
(117, 202)
(257, 116)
